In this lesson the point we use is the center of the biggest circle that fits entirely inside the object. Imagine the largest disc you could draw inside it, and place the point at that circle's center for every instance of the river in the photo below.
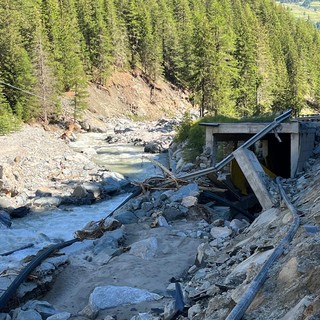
(42, 229)
(129, 160)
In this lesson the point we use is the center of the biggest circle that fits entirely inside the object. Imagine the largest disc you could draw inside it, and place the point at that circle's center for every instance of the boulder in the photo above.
(112, 182)
(238, 225)
(189, 201)
(109, 241)
(142, 213)
(113, 296)
(153, 147)
(93, 188)
(44, 308)
(145, 249)
(127, 217)
(190, 189)
(47, 202)
(147, 206)
(80, 192)
(20, 314)
(162, 222)
(220, 232)
(172, 213)
(239, 273)
(19, 212)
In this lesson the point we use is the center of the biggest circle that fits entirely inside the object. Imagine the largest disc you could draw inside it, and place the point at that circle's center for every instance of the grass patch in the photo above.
(309, 14)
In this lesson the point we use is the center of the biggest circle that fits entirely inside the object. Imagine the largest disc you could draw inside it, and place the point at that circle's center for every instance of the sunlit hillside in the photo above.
(298, 9)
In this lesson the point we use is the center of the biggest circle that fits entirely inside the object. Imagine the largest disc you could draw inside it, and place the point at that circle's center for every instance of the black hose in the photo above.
(43, 254)
(239, 310)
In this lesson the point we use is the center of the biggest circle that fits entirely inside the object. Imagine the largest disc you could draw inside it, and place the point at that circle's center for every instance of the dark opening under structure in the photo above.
(283, 151)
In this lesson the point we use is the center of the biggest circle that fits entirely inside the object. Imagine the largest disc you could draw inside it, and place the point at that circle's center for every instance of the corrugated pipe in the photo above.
(239, 310)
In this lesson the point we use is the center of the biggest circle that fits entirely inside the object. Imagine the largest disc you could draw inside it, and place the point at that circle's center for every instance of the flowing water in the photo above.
(129, 160)
(47, 227)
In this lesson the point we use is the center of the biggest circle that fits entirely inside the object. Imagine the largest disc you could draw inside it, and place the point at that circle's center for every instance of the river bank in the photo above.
(168, 235)
(37, 165)
(31, 158)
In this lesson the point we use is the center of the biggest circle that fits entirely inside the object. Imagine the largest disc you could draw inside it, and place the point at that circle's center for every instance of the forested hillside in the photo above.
(235, 57)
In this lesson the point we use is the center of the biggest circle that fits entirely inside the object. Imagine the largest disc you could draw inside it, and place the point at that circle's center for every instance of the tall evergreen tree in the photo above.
(15, 64)
(133, 18)
(117, 31)
(214, 65)
(96, 36)
(66, 47)
(249, 79)
(150, 47)
(65, 39)
(169, 41)
(8, 122)
(185, 57)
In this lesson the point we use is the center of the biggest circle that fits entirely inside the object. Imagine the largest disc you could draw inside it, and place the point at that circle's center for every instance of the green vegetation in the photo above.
(194, 134)
(236, 57)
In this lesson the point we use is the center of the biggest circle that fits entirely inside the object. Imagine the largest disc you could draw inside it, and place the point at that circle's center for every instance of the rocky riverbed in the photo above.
(170, 255)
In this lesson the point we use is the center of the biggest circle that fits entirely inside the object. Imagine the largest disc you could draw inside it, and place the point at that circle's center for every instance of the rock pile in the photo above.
(155, 137)
(39, 170)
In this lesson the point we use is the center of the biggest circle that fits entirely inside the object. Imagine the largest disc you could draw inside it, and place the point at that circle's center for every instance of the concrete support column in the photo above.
(294, 153)
(211, 142)
(255, 176)
(214, 151)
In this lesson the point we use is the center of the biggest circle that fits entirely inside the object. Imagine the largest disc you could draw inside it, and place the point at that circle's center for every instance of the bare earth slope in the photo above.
(131, 95)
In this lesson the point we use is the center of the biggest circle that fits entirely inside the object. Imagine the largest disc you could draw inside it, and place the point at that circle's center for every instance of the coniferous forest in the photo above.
(235, 57)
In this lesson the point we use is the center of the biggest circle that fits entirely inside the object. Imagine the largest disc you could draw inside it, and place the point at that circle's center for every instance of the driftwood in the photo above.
(166, 172)
(96, 229)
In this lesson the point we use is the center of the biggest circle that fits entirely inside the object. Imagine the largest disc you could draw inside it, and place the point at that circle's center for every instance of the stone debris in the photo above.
(230, 254)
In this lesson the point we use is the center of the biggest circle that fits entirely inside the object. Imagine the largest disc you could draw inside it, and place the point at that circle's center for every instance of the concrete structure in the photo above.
(255, 176)
(284, 149)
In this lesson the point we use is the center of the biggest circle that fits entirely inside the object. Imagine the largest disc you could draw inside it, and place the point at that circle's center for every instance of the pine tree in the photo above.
(65, 39)
(98, 44)
(38, 50)
(169, 41)
(214, 66)
(133, 24)
(249, 79)
(8, 122)
(15, 63)
(185, 57)
(117, 32)
(66, 45)
(149, 46)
